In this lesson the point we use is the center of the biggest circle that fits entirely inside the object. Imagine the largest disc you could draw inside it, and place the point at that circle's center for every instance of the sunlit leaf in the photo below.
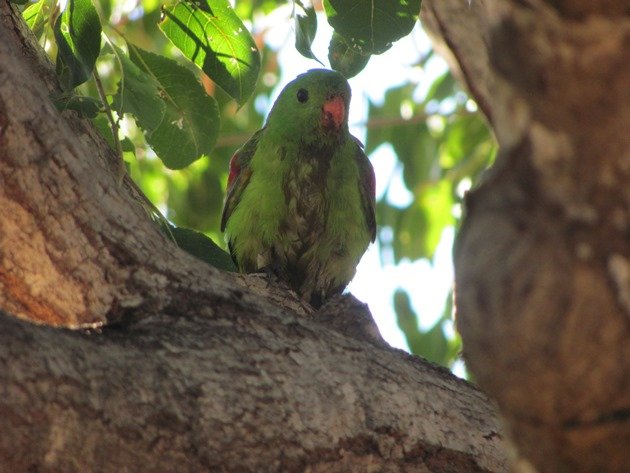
(305, 29)
(437, 203)
(214, 38)
(371, 26)
(345, 59)
(464, 134)
(410, 234)
(78, 35)
(35, 16)
(420, 226)
(190, 124)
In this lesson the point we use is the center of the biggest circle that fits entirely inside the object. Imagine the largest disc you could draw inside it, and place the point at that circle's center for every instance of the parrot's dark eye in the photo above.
(302, 95)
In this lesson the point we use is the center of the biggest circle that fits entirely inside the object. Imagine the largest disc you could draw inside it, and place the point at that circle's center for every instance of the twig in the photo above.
(114, 126)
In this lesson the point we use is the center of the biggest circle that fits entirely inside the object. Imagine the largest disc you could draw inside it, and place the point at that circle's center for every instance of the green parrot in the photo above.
(300, 192)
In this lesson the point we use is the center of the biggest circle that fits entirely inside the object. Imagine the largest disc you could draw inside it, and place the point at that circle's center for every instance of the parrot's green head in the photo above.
(313, 107)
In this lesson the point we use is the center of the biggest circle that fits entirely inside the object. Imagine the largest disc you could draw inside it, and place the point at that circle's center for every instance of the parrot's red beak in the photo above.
(334, 112)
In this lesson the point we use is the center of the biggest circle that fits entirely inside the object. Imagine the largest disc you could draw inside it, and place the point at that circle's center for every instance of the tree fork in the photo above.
(173, 365)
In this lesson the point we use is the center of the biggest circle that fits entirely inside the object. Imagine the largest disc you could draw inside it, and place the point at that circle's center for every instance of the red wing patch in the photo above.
(235, 169)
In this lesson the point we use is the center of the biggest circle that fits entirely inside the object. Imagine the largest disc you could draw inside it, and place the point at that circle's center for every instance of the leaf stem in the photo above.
(114, 125)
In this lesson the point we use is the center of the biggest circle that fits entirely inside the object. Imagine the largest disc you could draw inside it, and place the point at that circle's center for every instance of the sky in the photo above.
(375, 283)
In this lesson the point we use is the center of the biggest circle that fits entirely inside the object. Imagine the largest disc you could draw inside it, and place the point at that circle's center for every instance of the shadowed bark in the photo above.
(543, 258)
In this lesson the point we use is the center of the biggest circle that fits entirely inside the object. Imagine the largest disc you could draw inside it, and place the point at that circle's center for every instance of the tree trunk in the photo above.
(146, 359)
(543, 259)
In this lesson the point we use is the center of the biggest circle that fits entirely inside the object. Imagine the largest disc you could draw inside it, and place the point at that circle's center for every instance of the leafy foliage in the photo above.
(345, 59)
(214, 38)
(78, 36)
(371, 27)
(180, 120)
(433, 344)
(305, 30)
(171, 76)
(35, 16)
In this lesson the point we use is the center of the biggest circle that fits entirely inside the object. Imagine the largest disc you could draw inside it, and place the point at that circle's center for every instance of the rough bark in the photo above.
(172, 365)
(543, 258)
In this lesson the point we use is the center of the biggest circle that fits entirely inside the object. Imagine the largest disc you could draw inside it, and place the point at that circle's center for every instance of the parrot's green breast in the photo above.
(299, 206)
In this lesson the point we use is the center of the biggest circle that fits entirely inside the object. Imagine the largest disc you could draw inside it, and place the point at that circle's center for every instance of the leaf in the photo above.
(215, 39)
(442, 87)
(77, 32)
(420, 226)
(127, 145)
(437, 203)
(305, 30)
(409, 234)
(101, 123)
(370, 27)
(432, 344)
(139, 94)
(35, 16)
(417, 150)
(344, 59)
(87, 107)
(199, 194)
(190, 123)
(202, 247)
(390, 110)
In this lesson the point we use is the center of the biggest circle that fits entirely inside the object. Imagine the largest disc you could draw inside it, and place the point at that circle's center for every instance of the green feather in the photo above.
(302, 201)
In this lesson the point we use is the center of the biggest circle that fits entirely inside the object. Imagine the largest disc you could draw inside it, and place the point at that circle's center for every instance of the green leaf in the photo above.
(35, 16)
(101, 123)
(420, 226)
(199, 194)
(214, 38)
(344, 59)
(87, 107)
(127, 145)
(371, 26)
(305, 30)
(139, 94)
(442, 87)
(202, 247)
(19, 2)
(409, 234)
(388, 112)
(78, 35)
(436, 202)
(417, 150)
(190, 123)
(432, 344)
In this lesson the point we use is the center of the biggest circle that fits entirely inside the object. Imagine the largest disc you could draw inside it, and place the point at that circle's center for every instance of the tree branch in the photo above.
(540, 307)
(184, 367)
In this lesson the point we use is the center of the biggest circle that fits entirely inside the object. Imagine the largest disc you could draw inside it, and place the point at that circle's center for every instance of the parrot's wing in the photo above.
(367, 186)
(240, 173)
